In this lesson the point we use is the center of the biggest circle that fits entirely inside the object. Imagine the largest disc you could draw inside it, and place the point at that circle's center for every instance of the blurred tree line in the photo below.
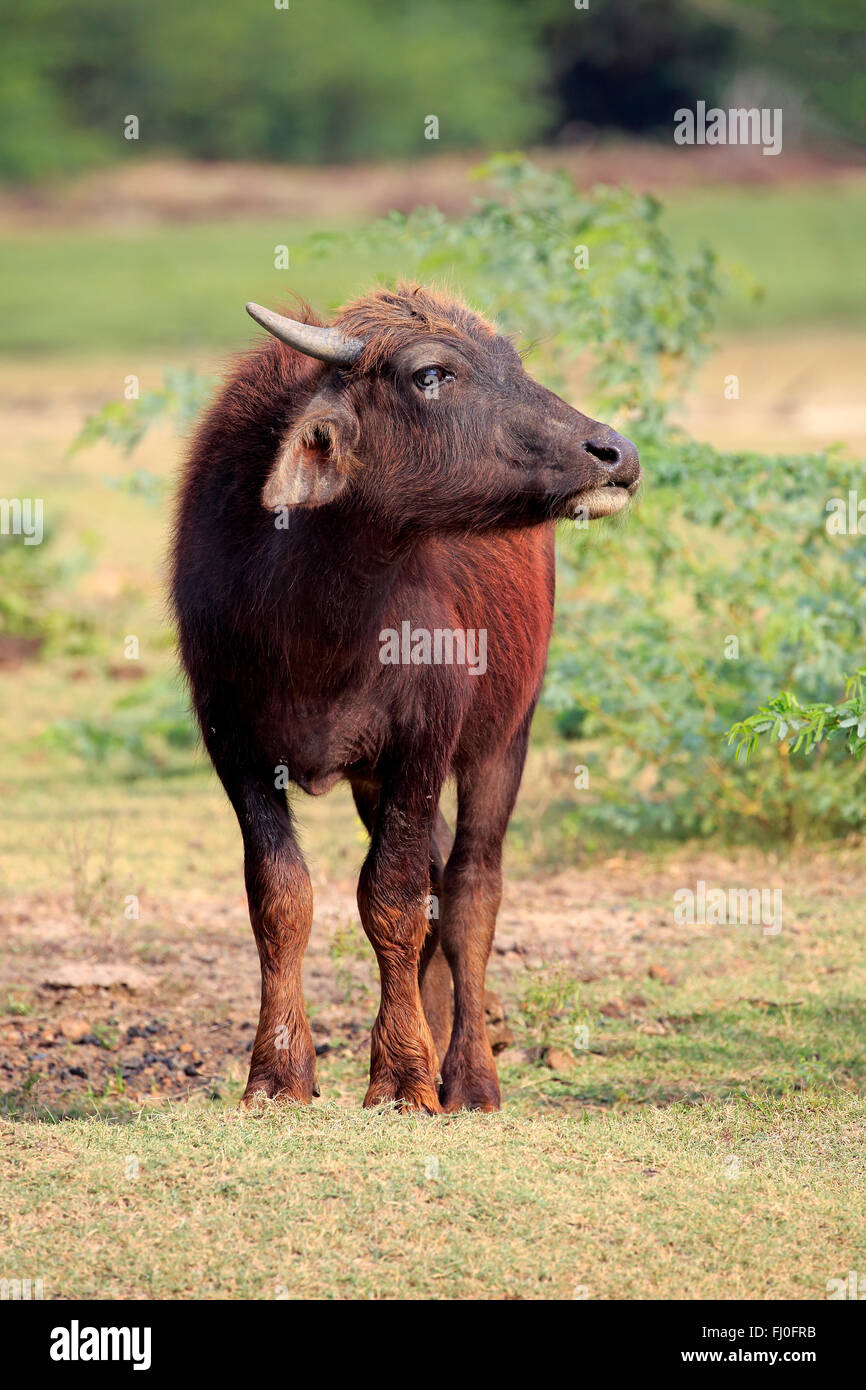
(339, 80)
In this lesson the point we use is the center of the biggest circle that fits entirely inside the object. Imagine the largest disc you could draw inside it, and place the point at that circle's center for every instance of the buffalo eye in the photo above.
(429, 379)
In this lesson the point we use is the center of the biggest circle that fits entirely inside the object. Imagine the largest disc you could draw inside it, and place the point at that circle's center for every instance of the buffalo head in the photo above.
(423, 417)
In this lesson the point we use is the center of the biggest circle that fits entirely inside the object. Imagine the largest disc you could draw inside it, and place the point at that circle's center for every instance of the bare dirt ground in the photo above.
(152, 191)
(799, 392)
(172, 1018)
(166, 1007)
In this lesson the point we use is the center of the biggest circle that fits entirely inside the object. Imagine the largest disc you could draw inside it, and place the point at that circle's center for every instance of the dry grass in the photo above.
(724, 1201)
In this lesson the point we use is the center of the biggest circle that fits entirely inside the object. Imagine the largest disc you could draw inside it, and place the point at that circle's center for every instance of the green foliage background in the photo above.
(333, 80)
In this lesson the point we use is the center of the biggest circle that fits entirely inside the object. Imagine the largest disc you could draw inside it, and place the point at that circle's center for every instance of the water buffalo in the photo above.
(354, 491)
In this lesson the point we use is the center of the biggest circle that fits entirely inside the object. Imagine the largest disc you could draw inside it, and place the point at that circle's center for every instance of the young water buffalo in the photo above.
(367, 508)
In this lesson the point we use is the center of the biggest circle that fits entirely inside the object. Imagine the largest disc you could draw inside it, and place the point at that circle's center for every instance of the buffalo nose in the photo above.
(619, 455)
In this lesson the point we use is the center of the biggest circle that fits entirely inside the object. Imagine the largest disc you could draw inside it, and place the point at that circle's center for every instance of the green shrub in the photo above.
(150, 733)
(29, 576)
(723, 586)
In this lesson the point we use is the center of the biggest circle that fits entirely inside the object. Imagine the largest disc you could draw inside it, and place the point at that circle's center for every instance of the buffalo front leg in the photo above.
(280, 896)
(473, 888)
(434, 976)
(392, 897)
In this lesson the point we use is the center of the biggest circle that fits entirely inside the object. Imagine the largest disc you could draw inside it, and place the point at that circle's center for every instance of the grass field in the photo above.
(729, 1201)
(704, 1138)
(180, 289)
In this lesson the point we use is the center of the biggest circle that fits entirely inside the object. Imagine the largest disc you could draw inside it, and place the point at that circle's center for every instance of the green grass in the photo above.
(802, 244)
(166, 288)
(180, 289)
(736, 1200)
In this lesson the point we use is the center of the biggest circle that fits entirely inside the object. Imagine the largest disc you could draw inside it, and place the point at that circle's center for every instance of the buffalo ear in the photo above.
(315, 463)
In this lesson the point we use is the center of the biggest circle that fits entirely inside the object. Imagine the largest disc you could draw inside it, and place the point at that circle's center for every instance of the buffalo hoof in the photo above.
(261, 1088)
(469, 1093)
(410, 1098)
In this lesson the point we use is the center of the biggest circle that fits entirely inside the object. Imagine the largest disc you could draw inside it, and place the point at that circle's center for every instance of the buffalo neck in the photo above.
(340, 572)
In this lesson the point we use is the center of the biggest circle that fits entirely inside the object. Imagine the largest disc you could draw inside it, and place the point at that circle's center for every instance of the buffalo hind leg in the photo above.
(473, 888)
(280, 896)
(392, 897)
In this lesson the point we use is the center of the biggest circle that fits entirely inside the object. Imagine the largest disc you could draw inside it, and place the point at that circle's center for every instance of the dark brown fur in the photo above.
(437, 510)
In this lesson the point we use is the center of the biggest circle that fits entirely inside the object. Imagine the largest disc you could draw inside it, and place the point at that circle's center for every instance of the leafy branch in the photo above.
(802, 727)
(123, 424)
